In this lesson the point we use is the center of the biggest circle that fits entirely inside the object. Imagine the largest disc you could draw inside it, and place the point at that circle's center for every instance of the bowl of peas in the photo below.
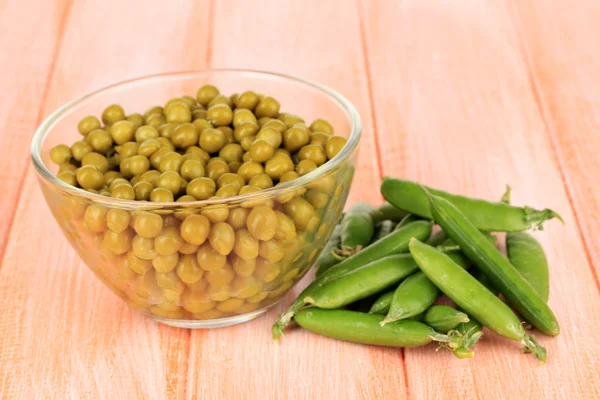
(199, 198)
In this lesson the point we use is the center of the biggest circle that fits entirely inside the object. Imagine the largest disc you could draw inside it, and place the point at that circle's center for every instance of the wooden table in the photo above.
(464, 95)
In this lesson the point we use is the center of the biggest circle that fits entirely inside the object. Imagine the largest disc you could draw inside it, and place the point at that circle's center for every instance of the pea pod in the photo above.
(383, 302)
(357, 228)
(516, 290)
(413, 296)
(388, 211)
(472, 296)
(528, 257)
(485, 215)
(382, 229)
(394, 243)
(407, 220)
(363, 282)
(364, 328)
(444, 318)
(326, 259)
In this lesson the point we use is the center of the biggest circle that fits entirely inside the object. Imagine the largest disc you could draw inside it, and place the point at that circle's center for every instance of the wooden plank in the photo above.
(25, 70)
(559, 45)
(455, 109)
(242, 362)
(62, 334)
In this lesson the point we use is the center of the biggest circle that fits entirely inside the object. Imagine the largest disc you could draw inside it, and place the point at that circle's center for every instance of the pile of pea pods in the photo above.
(382, 275)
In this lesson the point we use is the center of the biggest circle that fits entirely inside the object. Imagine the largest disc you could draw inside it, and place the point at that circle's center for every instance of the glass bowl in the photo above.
(194, 286)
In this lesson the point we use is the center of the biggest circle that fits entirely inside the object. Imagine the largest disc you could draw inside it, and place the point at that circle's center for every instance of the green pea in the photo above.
(472, 296)
(485, 215)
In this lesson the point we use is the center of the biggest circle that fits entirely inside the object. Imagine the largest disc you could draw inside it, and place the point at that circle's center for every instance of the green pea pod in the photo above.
(388, 211)
(357, 228)
(444, 318)
(516, 290)
(363, 282)
(326, 259)
(364, 328)
(407, 220)
(394, 243)
(414, 295)
(382, 229)
(485, 281)
(472, 296)
(528, 257)
(485, 215)
(382, 304)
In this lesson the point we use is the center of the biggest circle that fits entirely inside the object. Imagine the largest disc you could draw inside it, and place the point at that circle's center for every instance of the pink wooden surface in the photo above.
(467, 96)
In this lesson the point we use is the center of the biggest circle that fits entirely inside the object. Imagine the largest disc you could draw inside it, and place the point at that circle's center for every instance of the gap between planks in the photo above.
(551, 132)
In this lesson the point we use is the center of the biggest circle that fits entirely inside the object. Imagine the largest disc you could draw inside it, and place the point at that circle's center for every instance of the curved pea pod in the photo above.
(394, 243)
(387, 211)
(414, 295)
(528, 257)
(485, 215)
(444, 318)
(363, 282)
(516, 290)
(364, 328)
(326, 259)
(472, 296)
(382, 229)
(357, 228)
(382, 304)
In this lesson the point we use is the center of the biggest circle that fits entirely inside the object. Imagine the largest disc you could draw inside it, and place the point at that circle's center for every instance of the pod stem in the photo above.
(346, 252)
(444, 248)
(534, 347)
(286, 318)
(462, 352)
(506, 196)
(536, 218)
(450, 341)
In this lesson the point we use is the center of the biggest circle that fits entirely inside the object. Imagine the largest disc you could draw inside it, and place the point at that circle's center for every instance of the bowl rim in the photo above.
(43, 130)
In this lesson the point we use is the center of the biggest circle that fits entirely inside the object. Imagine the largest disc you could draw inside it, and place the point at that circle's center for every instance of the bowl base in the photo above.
(211, 323)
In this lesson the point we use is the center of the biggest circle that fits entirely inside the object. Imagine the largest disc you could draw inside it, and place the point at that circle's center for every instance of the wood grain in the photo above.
(564, 69)
(463, 109)
(27, 66)
(63, 333)
(243, 362)
(467, 96)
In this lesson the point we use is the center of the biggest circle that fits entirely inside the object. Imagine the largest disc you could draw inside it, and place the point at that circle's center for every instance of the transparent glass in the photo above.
(194, 287)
